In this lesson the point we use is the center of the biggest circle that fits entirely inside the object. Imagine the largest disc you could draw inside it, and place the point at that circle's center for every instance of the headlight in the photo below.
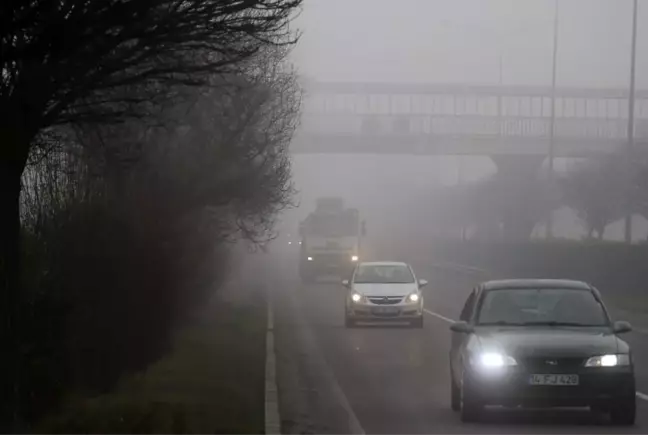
(310, 258)
(494, 360)
(414, 297)
(608, 361)
(355, 297)
(354, 258)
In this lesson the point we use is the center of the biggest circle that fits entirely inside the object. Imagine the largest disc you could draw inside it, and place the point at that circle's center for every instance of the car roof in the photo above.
(535, 283)
(383, 263)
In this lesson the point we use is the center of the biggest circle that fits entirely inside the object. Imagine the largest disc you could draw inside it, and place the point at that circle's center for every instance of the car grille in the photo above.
(329, 258)
(540, 364)
(385, 300)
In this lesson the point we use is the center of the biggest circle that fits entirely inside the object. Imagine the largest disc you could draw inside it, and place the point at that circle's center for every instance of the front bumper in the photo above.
(511, 387)
(367, 311)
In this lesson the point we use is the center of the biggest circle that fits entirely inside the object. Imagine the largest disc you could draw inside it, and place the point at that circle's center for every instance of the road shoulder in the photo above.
(310, 399)
(212, 381)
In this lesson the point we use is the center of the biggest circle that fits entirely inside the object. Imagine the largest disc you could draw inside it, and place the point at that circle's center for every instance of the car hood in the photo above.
(385, 289)
(557, 341)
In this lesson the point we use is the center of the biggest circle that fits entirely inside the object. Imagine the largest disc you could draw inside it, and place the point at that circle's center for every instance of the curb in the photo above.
(272, 418)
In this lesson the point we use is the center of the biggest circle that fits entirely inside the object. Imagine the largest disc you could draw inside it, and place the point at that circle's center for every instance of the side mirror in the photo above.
(345, 283)
(621, 326)
(422, 283)
(461, 327)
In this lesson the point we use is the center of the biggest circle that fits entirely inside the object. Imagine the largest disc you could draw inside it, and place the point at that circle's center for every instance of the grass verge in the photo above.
(213, 382)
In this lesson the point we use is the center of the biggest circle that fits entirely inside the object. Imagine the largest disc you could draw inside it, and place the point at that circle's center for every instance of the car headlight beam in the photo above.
(494, 360)
(610, 360)
(414, 297)
(355, 297)
(354, 258)
(310, 258)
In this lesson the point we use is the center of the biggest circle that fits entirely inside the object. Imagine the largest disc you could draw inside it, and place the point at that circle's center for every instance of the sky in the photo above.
(463, 40)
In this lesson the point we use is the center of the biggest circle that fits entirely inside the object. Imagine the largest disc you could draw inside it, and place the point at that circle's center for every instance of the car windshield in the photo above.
(383, 274)
(551, 307)
(332, 225)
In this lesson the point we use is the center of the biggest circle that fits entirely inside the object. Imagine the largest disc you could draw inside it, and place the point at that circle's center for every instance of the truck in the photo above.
(331, 240)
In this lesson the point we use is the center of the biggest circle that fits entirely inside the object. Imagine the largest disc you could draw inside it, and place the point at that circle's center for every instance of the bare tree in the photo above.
(596, 190)
(170, 197)
(497, 206)
(103, 62)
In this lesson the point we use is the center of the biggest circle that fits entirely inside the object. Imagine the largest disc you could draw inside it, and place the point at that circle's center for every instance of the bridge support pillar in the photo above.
(521, 197)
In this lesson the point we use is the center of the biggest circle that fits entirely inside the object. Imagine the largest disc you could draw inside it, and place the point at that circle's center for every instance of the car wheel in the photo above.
(418, 323)
(471, 407)
(623, 412)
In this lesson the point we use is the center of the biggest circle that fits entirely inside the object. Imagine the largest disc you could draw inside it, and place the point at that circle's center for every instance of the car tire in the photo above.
(623, 412)
(471, 406)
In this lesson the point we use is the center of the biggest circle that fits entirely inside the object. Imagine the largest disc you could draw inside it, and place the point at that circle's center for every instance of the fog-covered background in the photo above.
(454, 41)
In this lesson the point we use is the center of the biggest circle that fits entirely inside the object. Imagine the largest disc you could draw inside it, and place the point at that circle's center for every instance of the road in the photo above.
(395, 379)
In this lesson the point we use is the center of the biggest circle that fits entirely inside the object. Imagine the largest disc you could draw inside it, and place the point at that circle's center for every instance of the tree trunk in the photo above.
(10, 286)
(590, 232)
(601, 233)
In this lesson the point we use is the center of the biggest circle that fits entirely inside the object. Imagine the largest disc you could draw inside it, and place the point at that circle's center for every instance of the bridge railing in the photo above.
(472, 126)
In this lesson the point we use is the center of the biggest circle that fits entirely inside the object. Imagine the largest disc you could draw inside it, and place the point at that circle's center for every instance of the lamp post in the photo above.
(631, 124)
(552, 121)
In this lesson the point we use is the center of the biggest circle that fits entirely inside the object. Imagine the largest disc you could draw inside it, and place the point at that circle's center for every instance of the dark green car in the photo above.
(540, 343)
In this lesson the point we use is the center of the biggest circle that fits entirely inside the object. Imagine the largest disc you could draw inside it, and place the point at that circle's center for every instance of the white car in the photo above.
(384, 291)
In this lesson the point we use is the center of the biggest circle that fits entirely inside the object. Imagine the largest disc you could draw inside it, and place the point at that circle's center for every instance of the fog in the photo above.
(461, 41)
(451, 41)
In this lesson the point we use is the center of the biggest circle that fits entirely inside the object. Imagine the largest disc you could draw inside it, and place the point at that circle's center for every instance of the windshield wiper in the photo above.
(555, 323)
(501, 323)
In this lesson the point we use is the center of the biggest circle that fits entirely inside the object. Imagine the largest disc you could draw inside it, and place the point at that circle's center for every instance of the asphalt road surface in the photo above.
(393, 379)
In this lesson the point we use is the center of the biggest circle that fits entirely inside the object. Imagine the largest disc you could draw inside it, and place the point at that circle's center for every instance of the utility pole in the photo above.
(552, 122)
(631, 124)
(500, 109)
(460, 182)
(501, 70)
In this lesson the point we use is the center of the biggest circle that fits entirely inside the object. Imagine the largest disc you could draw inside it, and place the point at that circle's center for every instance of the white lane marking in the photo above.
(640, 395)
(444, 318)
(460, 268)
(642, 331)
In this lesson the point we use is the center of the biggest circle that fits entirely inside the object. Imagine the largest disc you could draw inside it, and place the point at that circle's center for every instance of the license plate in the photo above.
(385, 310)
(561, 380)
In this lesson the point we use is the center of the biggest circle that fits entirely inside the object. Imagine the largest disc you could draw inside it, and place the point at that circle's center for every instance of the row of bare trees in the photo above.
(600, 190)
(137, 138)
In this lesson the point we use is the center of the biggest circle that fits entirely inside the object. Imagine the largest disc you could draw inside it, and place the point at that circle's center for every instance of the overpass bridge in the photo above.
(445, 119)
(510, 124)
